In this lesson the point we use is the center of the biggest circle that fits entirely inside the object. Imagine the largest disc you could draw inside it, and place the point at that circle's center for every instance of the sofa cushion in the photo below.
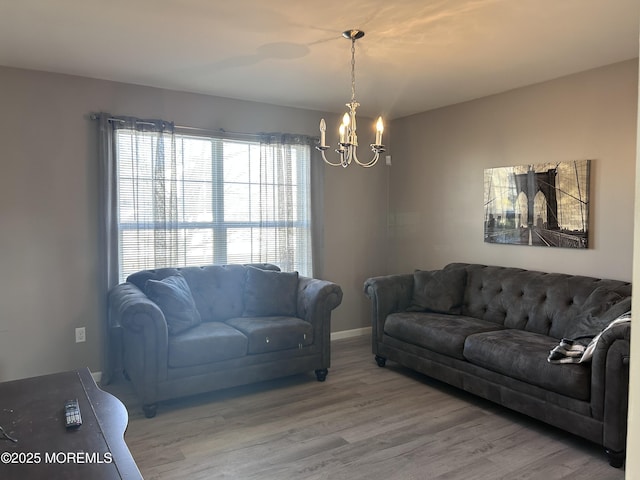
(435, 331)
(206, 343)
(269, 293)
(269, 334)
(174, 298)
(217, 290)
(440, 291)
(523, 355)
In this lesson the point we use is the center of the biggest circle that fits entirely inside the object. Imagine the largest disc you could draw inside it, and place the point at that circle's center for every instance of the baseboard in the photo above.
(356, 332)
(97, 376)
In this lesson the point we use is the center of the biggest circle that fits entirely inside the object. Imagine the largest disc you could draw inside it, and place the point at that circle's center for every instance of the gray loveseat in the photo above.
(196, 329)
(489, 330)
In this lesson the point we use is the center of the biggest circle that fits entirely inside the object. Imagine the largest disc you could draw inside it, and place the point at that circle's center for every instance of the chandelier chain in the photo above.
(353, 69)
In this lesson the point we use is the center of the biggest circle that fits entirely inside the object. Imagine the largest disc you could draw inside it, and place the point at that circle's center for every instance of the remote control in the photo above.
(72, 417)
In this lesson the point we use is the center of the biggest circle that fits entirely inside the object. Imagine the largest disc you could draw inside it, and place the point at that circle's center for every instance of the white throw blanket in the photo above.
(568, 351)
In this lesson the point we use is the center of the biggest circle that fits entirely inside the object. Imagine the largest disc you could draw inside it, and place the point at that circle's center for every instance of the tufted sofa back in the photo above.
(545, 303)
(216, 289)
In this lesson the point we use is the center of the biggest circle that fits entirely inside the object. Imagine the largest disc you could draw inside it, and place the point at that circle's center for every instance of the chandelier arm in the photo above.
(342, 163)
(371, 162)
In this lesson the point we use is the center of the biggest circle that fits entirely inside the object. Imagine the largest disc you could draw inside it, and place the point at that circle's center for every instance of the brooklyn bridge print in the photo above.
(541, 205)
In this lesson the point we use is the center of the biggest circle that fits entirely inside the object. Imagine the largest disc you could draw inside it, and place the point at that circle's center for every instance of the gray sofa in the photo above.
(489, 330)
(196, 329)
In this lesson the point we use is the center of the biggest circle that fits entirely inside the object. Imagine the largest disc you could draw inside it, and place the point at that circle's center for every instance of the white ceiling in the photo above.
(416, 54)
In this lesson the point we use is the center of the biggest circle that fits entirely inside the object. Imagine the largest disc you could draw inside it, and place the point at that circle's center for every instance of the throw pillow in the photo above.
(173, 296)
(440, 291)
(600, 308)
(270, 293)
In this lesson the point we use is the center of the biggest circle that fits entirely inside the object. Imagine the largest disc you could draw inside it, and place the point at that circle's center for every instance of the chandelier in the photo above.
(348, 142)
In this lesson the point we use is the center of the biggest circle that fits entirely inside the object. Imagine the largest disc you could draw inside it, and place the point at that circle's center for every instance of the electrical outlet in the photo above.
(388, 159)
(80, 335)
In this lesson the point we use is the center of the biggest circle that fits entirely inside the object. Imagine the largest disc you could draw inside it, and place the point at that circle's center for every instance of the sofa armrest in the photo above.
(145, 332)
(388, 294)
(610, 384)
(316, 299)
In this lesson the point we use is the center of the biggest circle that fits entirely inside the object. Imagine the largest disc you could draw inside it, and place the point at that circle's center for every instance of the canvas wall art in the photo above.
(539, 205)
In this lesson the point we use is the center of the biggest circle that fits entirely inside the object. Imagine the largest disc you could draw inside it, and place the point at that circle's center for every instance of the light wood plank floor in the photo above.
(364, 422)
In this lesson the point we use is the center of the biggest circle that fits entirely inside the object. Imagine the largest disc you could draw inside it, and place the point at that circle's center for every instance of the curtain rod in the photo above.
(221, 130)
(95, 116)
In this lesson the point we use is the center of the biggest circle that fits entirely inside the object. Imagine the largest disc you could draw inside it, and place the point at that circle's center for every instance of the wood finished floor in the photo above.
(364, 422)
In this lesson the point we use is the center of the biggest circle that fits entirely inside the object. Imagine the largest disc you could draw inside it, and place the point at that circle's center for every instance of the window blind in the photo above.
(186, 200)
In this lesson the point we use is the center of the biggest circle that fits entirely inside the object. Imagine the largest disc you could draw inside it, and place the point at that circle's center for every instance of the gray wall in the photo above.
(48, 209)
(436, 181)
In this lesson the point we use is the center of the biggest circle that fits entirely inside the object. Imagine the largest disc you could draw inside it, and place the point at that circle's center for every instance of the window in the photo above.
(187, 200)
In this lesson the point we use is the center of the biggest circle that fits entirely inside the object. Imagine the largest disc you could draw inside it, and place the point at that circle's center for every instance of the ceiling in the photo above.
(416, 54)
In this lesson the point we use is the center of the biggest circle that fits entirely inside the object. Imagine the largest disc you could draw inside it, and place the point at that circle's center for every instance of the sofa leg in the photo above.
(381, 361)
(616, 459)
(321, 374)
(150, 410)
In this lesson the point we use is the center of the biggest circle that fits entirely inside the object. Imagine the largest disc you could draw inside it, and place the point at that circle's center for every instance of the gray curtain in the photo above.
(285, 171)
(151, 212)
(317, 213)
(108, 233)
(153, 139)
(108, 201)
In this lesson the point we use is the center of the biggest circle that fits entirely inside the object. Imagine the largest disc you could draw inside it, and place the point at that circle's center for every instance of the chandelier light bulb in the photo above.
(323, 130)
(379, 130)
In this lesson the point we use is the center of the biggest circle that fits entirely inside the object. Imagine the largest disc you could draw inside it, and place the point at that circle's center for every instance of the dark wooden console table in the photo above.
(32, 412)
